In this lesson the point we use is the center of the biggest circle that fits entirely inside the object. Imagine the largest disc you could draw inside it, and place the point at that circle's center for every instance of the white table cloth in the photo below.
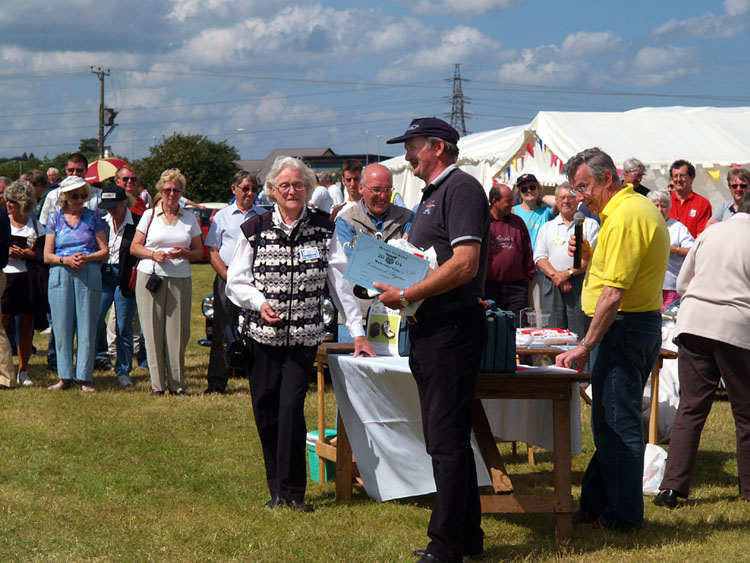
(379, 404)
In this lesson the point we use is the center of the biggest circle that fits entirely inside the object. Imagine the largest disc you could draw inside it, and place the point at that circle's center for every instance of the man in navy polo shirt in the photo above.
(448, 337)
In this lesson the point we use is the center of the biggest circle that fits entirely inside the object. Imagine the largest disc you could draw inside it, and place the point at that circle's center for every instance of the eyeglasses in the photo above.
(126, 179)
(172, 190)
(78, 196)
(75, 170)
(565, 197)
(380, 191)
(246, 189)
(10, 201)
(285, 187)
(733, 186)
(527, 189)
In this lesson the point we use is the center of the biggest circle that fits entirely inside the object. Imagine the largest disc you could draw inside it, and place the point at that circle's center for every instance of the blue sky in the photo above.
(265, 74)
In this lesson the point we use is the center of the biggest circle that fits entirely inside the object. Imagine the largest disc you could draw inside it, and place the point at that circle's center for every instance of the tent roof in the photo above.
(705, 136)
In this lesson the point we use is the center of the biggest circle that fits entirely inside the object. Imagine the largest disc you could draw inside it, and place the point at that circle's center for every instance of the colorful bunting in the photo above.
(714, 173)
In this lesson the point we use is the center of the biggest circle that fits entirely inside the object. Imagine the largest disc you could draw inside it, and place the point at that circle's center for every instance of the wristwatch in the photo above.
(62, 261)
(586, 345)
(402, 299)
(570, 272)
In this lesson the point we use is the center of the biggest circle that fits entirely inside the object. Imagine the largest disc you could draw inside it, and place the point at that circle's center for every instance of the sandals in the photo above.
(60, 385)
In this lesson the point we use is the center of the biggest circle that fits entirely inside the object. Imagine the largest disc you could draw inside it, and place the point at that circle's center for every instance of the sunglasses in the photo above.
(246, 189)
(126, 179)
(75, 170)
(77, 196)
(172, 190)
(527, 189)
(738, 186)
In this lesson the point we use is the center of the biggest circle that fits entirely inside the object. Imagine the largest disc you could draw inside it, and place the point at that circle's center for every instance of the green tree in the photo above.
(208, 166)
(89, 147)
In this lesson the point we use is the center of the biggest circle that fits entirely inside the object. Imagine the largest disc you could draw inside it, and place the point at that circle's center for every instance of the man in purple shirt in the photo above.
(510, 266)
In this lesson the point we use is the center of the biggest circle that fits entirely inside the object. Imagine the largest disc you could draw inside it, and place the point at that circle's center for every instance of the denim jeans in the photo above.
(124, 312)
(74, 297)
(621, 363)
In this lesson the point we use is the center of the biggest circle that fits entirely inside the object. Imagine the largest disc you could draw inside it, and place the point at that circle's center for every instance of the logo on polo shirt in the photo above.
(428, 207)
(693, 212)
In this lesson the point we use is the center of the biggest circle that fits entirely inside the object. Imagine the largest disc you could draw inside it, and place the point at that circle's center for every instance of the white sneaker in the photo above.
(24, 379)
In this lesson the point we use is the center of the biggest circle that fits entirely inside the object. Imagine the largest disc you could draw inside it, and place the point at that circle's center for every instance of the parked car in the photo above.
(205, 217)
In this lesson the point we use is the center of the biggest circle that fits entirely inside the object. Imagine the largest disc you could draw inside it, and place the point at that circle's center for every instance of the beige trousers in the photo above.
(165, 320)
(7, 370)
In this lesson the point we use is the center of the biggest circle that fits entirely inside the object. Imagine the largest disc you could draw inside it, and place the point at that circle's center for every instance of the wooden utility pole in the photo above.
(100, 139)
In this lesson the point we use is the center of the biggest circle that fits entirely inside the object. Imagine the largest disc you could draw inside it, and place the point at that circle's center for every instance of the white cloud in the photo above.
(543, 66)
(583, 43)
(463, 8)
(736, 7)
(654, 66)
(461, 44)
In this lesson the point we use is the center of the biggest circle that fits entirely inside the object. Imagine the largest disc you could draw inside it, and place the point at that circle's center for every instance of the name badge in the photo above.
(558, 240)
(309, 253)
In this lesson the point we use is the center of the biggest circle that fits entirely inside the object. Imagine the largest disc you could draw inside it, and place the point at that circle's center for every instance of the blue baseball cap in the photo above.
(428, 127)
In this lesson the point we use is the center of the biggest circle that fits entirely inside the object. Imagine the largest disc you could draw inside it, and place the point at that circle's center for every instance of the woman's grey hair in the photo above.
(632, 164)
(308, 176)
(564, 185)
(21, 193)
(598, 162)
(660, 196)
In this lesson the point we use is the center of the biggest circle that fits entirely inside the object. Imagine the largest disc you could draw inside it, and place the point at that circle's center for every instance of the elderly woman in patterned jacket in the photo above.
(278, 272)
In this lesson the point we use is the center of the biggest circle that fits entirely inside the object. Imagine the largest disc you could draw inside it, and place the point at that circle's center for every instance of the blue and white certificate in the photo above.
(375, 261)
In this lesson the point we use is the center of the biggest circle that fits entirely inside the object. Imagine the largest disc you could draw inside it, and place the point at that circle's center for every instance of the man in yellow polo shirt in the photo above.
(622, 295)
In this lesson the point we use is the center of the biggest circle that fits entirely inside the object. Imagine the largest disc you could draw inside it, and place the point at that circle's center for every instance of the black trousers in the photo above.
(278, 385)
(702, 362)
(225, 313)
(445, 354)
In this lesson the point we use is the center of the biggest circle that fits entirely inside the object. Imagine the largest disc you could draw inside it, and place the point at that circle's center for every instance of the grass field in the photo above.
(123, 476)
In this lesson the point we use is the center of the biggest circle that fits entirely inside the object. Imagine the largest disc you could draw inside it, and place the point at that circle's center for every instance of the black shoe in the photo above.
(298, 505)
(472, 557)
(273, 503)
(427, 557)
(157, 391)
(3, 387)
(214, 391)
(667, 497)
(180, 392)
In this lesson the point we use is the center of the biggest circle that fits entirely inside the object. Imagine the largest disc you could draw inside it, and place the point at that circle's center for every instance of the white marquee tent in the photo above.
(713, 139)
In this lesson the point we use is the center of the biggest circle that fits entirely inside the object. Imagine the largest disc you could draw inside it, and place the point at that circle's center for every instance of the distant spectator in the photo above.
(127, 179)
(144, 194)
(738, 180)
(334, 190)
(689, 208)
(75, 244)
(16, 299)
(4, 183)
(321, 199)
(633, 171)
(681, 241)
(167, 239)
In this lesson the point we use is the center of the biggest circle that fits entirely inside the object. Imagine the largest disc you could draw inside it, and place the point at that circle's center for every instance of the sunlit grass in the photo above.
(123, 476)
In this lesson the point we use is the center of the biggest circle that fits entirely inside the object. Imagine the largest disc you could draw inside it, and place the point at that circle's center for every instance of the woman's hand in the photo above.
(17, 253)
(268, 314)
(177, 252)
(159, 256)
(76, 261)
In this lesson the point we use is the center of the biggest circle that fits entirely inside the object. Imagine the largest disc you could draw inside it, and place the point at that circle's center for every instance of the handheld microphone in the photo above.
(578, 219)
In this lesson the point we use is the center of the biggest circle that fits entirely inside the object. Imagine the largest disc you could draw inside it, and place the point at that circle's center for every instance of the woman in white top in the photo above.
(16, 300)
(680, 243)
(166, 240)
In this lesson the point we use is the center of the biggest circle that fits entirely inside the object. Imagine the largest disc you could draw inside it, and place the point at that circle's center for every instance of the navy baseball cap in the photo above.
(523, 178)
(428, 127)
(111, 196)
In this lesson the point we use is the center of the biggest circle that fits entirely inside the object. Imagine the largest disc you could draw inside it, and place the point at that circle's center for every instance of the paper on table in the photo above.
(544, 369)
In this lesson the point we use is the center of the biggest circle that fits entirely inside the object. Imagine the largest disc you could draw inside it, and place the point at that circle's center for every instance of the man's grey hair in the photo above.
(632, 164)
(240, 177)
(451, 149)
(53, 169)
(660, 196)
(598, 162)
(564, 185)
(5, 180)
(744, 205)
(325, 178)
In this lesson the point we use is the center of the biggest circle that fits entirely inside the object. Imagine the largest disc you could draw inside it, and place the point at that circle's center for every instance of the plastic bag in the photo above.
(654, 464)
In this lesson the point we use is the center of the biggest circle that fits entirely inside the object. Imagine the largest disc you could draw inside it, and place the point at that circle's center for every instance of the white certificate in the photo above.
(375, 261)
